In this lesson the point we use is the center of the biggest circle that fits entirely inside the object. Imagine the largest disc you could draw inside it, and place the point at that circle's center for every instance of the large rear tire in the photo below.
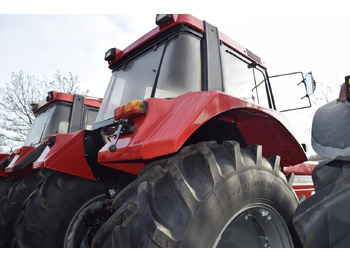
(322, 220)
(57, 215)
(207, 195)
(5, 184)
(15, 200)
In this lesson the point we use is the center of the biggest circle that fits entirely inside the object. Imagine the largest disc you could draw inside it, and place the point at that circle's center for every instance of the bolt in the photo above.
(111, 193)
(112, 148)
(264, 212)
(246, 217)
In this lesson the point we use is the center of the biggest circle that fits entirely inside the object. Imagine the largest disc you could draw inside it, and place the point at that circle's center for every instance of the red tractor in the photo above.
(58, 114)
(188, 144)
(302, 184)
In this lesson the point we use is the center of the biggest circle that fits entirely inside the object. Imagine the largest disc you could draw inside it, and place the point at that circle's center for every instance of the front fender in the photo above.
(21, 164)
(66, 155)
(168, 123)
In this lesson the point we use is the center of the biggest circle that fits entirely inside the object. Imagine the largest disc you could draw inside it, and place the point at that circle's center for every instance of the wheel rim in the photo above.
(257, 225)
(80, 231)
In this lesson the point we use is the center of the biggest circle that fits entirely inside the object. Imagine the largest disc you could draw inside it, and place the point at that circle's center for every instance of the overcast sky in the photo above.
(287, 35)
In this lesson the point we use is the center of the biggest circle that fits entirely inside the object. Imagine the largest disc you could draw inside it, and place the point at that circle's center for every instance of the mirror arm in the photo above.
(302, 81)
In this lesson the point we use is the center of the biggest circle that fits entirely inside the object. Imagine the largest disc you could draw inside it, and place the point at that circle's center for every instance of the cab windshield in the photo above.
(166, 70)
(53, 120)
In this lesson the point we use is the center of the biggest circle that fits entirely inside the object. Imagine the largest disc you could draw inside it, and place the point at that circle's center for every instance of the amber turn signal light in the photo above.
(130, 110)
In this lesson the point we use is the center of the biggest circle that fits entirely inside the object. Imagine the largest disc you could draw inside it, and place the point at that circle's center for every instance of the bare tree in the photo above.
(16, 116)
(325, 93)
(65, 84)
(2, 149)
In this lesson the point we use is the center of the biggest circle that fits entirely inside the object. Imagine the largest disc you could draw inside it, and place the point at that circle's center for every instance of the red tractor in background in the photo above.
(188, 144)
(58, 114)
(302, 184)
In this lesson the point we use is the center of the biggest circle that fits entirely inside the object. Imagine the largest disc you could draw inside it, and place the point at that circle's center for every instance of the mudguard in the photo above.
(168, 124)
(322, 220)
(21, 164)
(76, 154)
(66, 155)
(331, 129)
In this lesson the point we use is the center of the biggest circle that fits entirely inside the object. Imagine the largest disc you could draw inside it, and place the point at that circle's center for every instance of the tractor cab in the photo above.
(182, 60)
(168, 63)
(59, 113)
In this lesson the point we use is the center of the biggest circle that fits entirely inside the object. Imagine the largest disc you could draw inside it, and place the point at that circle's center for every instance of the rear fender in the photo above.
(261, 127)
(21, 164)
(3, 157)
(168, 124)
(66, 155)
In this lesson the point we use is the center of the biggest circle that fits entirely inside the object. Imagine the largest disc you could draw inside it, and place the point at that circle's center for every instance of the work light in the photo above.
(110, 55)
(164, 19)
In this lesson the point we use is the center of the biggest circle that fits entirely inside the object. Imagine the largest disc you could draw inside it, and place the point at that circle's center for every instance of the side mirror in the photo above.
(291, 91)
(310, 83)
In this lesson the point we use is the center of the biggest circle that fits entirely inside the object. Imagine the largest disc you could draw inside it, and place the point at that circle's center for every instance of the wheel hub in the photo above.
(255, 226)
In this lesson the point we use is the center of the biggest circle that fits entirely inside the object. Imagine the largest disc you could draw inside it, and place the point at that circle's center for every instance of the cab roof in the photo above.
(191, 21)
(54, 96)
